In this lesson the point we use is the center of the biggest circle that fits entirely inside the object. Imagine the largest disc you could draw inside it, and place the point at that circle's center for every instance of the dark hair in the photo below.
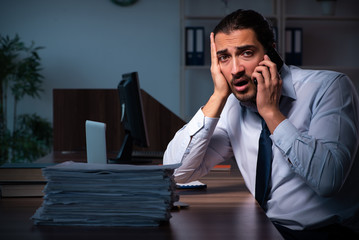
(244, 19)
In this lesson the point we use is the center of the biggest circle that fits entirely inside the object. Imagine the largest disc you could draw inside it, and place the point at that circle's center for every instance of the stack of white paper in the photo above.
(107, 195)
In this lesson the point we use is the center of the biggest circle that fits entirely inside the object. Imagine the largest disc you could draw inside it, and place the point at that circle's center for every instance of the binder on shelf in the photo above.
(275, 34)
(194, 45)
(276, 38)
(294, 46)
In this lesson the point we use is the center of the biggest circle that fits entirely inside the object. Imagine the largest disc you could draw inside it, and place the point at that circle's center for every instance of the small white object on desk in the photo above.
(96, 142)
(191, 185)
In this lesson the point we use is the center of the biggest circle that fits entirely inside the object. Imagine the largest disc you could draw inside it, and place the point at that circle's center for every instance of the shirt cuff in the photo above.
(284, 135)
(199, 121)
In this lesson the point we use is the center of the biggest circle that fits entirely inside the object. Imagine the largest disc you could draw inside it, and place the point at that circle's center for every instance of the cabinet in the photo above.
(329, 42)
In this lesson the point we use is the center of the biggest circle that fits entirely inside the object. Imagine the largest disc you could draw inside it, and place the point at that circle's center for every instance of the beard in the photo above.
(250, 94)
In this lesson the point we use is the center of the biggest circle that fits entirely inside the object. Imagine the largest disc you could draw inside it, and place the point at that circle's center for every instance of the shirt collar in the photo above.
(287, 86)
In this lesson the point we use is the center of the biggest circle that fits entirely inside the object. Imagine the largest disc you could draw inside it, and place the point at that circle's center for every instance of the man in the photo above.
(313, 120)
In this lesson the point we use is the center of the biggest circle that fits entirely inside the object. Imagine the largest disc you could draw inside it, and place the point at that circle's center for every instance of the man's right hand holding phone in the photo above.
(269, 86)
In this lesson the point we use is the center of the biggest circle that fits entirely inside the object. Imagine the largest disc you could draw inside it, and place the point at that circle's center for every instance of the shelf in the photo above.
(321, 18)
(203, 17)
(198, 67)
(334, 51)
(304, 66)
(217, 18)
(334, 68)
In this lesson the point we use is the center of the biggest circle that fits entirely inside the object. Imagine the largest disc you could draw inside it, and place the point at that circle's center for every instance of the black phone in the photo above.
(274, 57)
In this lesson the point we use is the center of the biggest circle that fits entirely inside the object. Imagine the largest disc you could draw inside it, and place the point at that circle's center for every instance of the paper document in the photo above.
(85, 194)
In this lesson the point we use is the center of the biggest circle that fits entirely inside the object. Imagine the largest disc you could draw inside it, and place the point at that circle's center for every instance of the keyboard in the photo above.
(147, 154)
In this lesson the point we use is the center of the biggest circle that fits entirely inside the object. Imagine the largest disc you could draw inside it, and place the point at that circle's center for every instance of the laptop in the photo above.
(96, 142)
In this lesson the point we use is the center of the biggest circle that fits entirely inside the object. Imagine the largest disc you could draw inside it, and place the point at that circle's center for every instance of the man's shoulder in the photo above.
(313, 75)
(317, 79)
(320, 82)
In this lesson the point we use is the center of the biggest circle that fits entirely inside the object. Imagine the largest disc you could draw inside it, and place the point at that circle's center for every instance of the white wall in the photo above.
(91, 43)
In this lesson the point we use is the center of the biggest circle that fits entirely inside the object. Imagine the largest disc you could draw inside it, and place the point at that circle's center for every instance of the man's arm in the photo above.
(216, 102)
(199, 146)
(190, 144)
(324, 154)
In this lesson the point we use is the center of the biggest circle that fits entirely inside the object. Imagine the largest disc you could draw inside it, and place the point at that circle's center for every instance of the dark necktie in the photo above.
(264, 166)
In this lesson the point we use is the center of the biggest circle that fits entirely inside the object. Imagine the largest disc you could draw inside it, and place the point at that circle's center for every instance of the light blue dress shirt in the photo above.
(315, 169)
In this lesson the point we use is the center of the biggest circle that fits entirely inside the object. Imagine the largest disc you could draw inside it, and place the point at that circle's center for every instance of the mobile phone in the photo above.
(274, 57)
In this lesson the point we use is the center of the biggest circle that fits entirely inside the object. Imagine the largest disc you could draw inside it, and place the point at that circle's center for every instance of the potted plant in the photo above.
(31, 135)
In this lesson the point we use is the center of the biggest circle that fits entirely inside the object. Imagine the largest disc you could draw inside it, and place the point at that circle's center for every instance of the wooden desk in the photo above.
(225, 210)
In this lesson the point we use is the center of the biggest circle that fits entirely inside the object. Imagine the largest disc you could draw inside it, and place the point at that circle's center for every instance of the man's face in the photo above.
(238, 55)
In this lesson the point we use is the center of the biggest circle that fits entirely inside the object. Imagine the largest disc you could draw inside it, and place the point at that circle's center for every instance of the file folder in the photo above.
(194, 45)
(298, 45)
(294, 46)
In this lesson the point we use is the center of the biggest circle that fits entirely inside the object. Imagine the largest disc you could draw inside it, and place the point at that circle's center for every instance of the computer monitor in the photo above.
(132, 117)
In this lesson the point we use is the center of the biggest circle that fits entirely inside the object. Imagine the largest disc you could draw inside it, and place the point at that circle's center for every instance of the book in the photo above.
(22, 179)
(20, 172)
(222, 167)
(22, 189)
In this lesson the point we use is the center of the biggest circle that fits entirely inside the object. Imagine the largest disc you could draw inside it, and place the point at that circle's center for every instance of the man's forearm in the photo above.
(214, 106)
